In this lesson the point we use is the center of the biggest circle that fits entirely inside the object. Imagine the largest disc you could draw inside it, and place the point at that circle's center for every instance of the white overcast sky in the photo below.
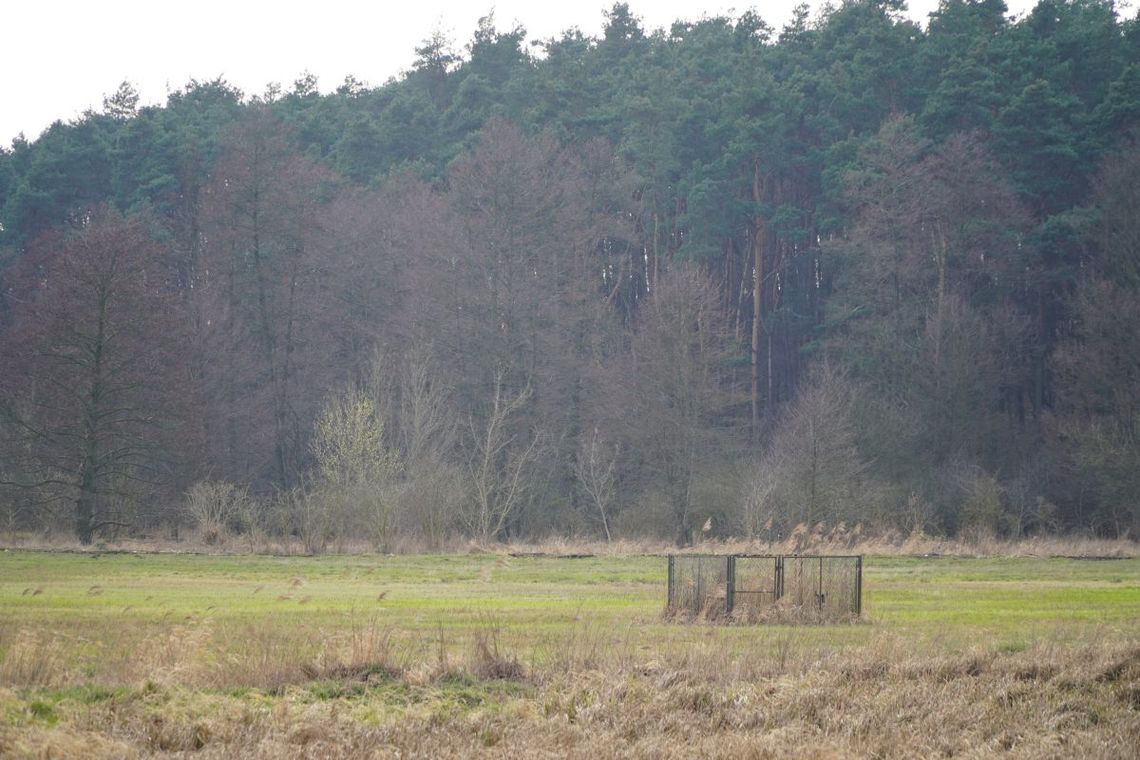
(60, 57)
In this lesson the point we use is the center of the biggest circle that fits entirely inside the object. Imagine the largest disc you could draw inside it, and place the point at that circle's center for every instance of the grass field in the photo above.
(122, 655)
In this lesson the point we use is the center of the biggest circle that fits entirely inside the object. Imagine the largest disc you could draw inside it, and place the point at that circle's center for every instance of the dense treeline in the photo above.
(717, 278)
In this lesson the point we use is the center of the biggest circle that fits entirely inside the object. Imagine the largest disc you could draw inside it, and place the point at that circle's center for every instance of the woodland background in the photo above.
(717, 279)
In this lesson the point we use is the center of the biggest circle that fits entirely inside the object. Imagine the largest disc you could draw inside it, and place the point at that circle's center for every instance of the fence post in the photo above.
(670, 592)
(730, 585)
(779, 578)
(859, 585)
(819, 591)
(700, 607)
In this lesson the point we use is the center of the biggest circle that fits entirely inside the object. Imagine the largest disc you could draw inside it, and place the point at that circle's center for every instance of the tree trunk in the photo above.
(757, 298)
(85, 505)
(85, 502)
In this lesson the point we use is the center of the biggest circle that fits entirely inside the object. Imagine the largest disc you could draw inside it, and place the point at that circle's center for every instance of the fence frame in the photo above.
(730, 585)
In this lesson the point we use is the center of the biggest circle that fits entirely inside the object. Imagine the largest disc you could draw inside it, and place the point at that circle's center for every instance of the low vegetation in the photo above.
(122, 655)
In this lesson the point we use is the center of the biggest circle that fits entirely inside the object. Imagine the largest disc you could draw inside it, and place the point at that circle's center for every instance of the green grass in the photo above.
(100, 601)
(425, 591)
(1025, 599)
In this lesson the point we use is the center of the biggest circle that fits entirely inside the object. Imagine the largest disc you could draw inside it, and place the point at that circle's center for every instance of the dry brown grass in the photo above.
(803, 539)
(841, 540)
(32, 661)
(883, 700)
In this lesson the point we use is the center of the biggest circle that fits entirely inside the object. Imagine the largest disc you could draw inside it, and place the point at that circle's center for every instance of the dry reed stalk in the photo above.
(33, 660)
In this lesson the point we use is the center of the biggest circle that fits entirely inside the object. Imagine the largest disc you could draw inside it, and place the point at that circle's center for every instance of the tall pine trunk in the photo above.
(758, 232)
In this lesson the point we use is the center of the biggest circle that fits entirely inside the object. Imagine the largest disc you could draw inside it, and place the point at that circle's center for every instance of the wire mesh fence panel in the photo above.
(799, 582)
(840, 586)
(756, 586)
(828, 586)
(698, 584)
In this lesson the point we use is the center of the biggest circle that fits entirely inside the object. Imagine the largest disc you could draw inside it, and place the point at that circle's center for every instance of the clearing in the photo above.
(122, 655)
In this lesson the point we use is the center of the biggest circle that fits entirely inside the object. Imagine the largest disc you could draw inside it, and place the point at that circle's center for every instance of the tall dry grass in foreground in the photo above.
(588, 692)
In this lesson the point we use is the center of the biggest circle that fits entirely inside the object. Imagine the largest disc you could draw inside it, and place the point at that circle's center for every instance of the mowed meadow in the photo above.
(136, 654)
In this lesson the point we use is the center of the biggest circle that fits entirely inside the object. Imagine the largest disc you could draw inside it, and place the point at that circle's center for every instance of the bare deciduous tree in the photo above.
(425, 428)
(263, 274)
(217, 507)
(812, 470)
(595, 468)
(92, 387)
(675, 396)
(500, 463)
(358, 472)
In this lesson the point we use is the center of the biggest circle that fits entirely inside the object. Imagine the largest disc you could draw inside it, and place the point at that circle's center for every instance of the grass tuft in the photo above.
(490, 660)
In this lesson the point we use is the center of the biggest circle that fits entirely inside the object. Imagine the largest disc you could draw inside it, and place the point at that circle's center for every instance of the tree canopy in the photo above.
(640, 275)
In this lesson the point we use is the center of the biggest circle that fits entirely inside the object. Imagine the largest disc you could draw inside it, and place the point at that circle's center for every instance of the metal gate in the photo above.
(698, 584)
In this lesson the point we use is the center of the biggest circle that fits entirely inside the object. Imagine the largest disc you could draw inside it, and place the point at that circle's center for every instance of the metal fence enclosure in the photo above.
(757, 587)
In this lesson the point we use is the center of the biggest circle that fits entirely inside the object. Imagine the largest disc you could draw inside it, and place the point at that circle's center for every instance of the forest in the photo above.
(855, 274)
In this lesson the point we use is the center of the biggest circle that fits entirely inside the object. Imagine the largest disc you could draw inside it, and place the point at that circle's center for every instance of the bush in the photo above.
(220, 509)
